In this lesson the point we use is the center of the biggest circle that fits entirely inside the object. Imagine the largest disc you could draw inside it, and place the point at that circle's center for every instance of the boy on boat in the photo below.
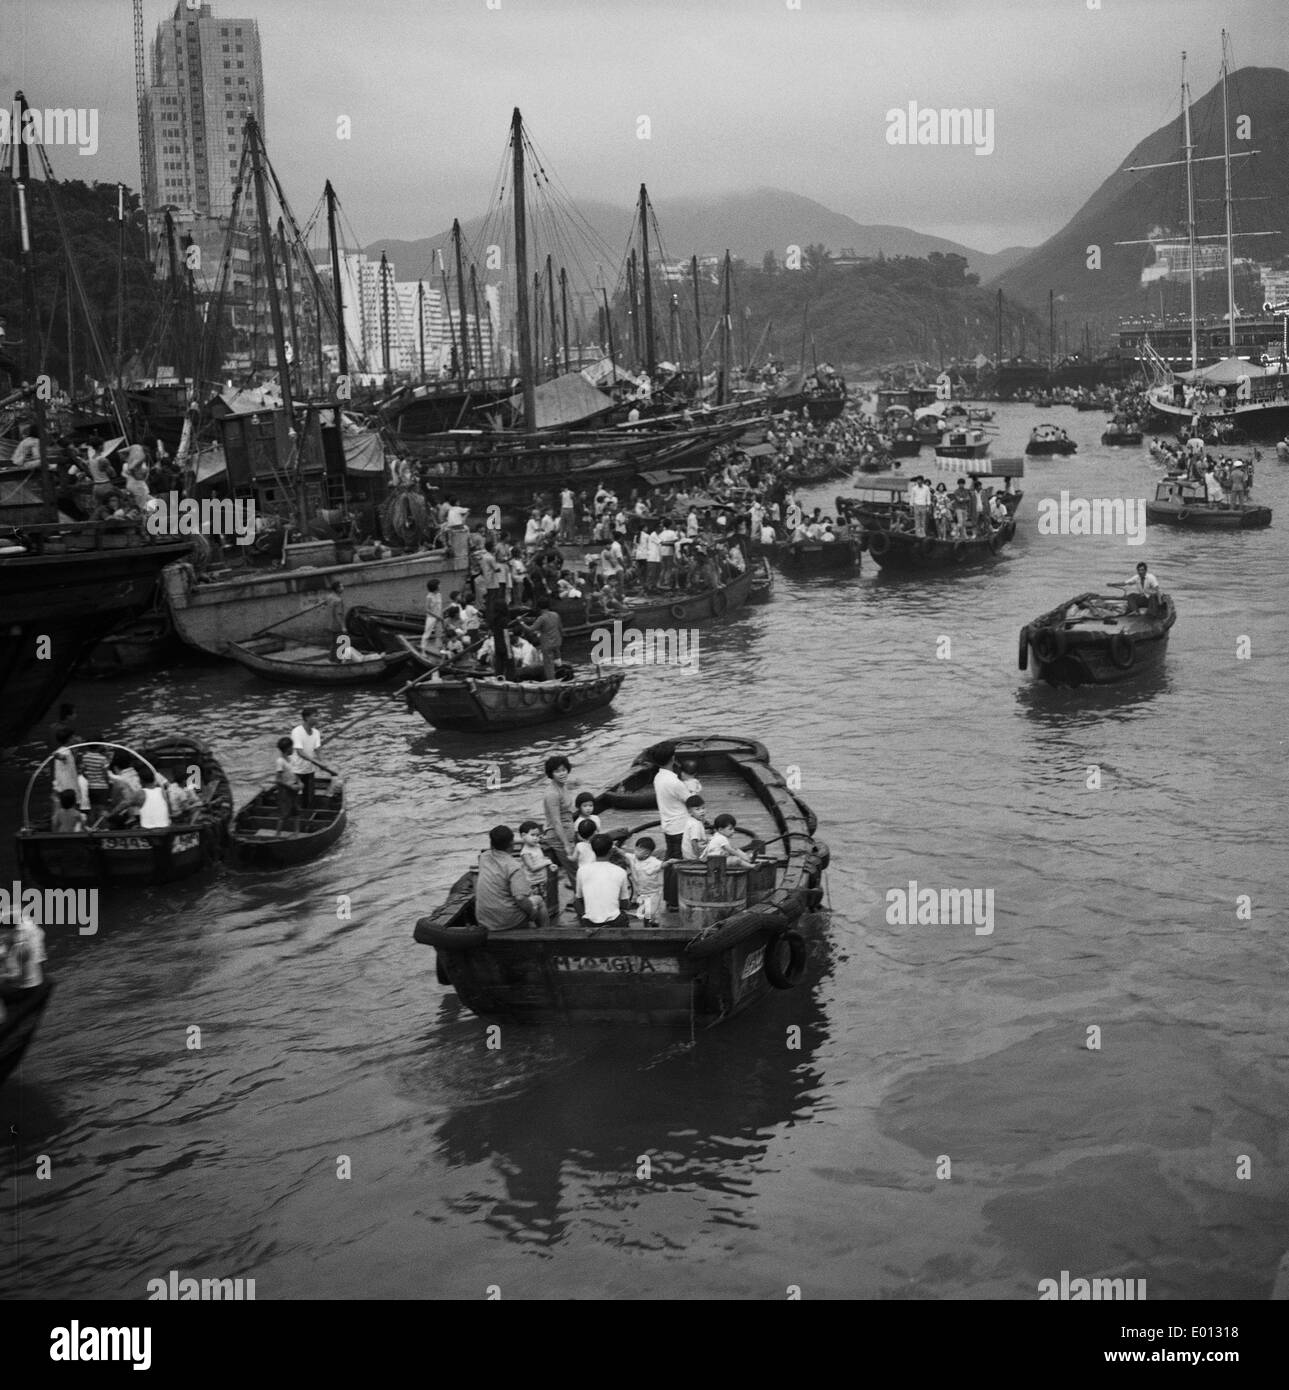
(694, 835)
(533, 856)
(288, 786)
(646, 880)
(69, 818)
(720, 843)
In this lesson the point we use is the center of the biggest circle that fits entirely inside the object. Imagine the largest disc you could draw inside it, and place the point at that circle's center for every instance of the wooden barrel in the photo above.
(708, 891)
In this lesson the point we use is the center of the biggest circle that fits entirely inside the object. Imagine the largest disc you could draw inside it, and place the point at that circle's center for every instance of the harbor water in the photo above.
(1096, 1085)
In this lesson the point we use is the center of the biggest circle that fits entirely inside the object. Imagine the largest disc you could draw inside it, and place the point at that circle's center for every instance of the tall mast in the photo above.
(478, 323)
(651, 356)
(330, 194)
(420, 322)
(1230, 255)
(275, 306)
(563, 304)
(550, 294)
(523, 330)
(675, 329)
(608, 332)
(120, 282)
(537, 319)
(290, 289)
(465, 326)
(633, 296)
(384, 313)
(698, 319)
(998, 331)
(722, 395)
(1190, 208)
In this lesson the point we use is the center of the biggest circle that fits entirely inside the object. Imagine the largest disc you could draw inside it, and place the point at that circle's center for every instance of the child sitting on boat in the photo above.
(534, 860)
(720, 843)
(69, 818)
(582, 851)
(694, 836)
(646, 880)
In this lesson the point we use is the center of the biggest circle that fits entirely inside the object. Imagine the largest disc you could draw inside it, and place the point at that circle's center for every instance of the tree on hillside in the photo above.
(816, 258)
(769, 264)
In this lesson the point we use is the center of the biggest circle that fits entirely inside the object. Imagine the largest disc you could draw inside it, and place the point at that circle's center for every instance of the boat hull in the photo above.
(1097, 650)
(251, 850)
(131, 856)
(55, 607)
(903, 552)
(1206, 517)
(212, 616)
(479, 706)
(287, 663)
(670, 974)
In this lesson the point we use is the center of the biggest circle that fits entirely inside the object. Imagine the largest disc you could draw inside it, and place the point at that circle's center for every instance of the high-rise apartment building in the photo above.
(206, 78)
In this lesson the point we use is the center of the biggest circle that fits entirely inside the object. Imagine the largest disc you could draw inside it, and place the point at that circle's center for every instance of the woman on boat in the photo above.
(557, 807)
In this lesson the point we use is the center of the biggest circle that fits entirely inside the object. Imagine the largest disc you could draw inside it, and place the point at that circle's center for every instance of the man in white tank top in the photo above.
(154, 813)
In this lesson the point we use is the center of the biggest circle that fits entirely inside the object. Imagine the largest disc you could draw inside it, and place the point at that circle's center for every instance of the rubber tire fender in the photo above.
(565, 701)
(959, 552)
(785, 976)
(678, 610)
(878, 542)
(1122, 651)
(720, 603)
(1022, 656)
(1049, 644)
(1183, 513)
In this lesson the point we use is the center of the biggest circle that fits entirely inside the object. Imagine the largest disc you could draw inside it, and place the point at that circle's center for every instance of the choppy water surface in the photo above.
(1115, 909)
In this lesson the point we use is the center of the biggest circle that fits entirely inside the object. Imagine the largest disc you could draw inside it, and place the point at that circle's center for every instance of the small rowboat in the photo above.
(736, 935)
(20, 1015)
(1045, 445)
(818, 557)
(281, 659)
(1120, 434)
(1097, 639)
(128, 854)
(254, 839)
(482, 703)
(1178, 501)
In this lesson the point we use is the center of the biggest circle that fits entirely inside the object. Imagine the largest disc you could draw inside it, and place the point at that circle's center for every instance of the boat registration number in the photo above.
(616, 965)
(753, 963)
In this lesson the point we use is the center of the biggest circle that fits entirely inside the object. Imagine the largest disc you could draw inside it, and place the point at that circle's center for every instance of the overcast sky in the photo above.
(739, 94)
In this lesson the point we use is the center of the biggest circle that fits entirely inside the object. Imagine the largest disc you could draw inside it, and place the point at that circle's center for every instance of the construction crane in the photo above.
(141, 102)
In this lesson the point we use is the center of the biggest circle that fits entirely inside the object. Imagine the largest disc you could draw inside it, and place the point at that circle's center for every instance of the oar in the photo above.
(330, 771)
(320, 604)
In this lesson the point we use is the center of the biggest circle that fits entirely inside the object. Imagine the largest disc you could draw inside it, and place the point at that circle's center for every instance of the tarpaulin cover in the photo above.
(1224, 373)
(363, 451)
(210, 462)
(565, 401)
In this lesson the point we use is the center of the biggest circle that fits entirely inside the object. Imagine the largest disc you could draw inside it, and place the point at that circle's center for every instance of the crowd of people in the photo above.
(521, 871)
(1227, 481)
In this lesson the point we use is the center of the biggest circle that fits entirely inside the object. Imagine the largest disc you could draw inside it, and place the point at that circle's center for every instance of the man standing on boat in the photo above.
(671, 795)
(920, 501)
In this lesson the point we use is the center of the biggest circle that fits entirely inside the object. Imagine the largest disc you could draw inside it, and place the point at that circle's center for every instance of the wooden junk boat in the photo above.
(1097, 639)
(254, 841)
(733, 938)
(130, 855)
(283, 659)
(1180, 501)
(20, 1014)
(479, 703)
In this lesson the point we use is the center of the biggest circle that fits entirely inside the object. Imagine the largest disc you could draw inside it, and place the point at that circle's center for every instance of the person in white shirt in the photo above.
(1213, 486)
(566, 514)
(691, 523)
(1142, 589)
(154, 813)
(667, 539)
(533, 531)
(653, 558)
(456, 513)
(603, 888)
(720, 843)
(768, 536)
(306, 739)
(920, 501)
(670, 793)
